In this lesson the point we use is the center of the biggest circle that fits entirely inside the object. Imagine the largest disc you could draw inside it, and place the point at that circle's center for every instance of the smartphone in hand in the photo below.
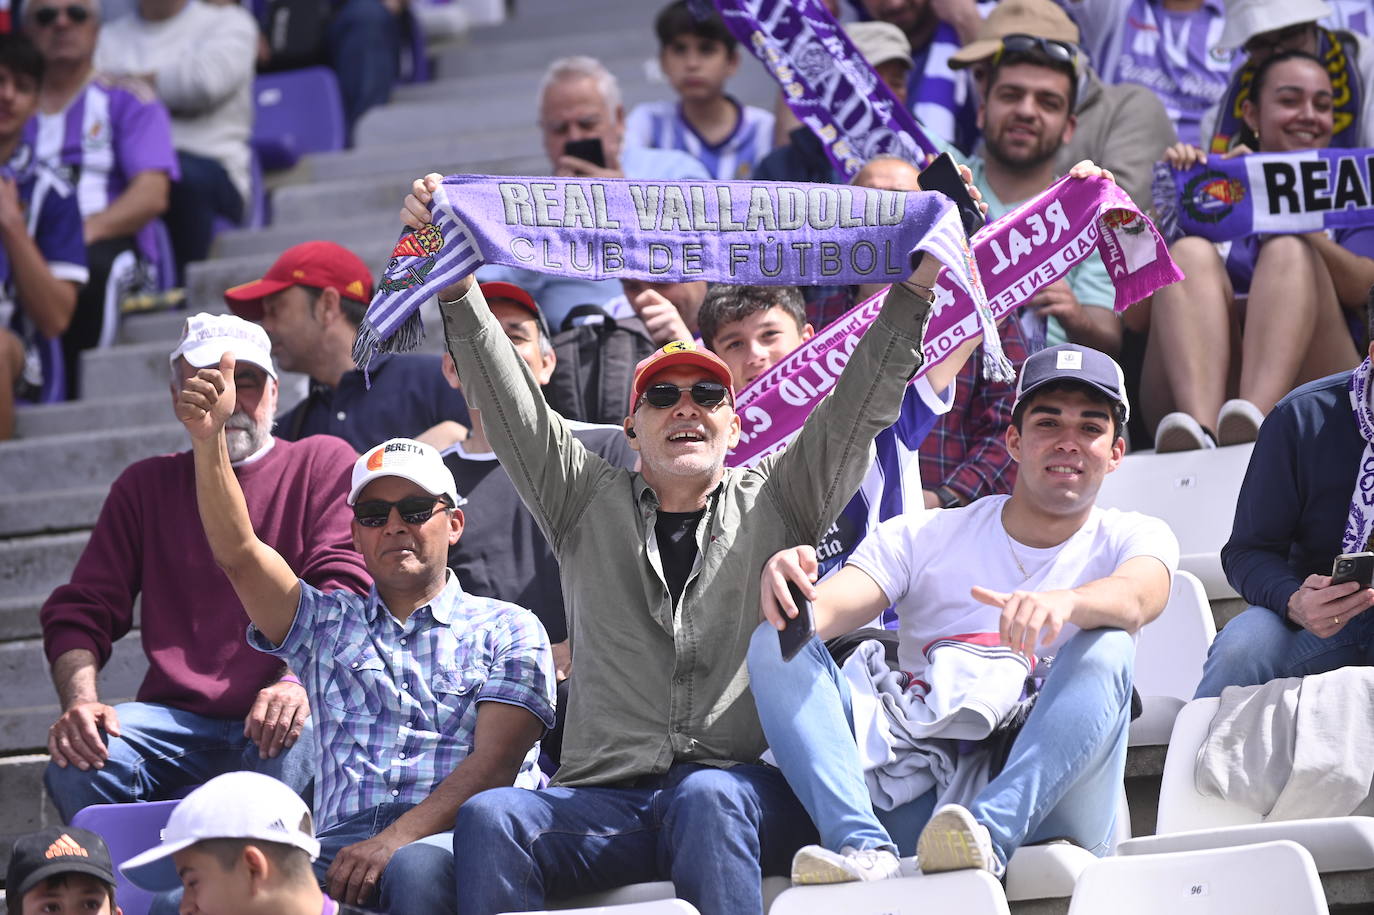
(588, 150)
(800, 628)
(1353, 567)
(943, 175)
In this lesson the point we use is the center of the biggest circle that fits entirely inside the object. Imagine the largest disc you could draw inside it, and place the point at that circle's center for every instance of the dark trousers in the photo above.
(364, 50)
(203, 193)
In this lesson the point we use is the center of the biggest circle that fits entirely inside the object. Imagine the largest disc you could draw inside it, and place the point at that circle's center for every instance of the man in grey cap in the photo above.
(1002, 581)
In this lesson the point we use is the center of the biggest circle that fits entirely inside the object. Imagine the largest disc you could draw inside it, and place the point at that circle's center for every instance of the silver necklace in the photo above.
(1025, 576)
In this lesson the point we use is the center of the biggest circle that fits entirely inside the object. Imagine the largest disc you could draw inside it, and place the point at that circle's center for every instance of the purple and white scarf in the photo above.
(1025, 250)
(748, 233)
(1359, 526)
(826, 82)
(1274, 193)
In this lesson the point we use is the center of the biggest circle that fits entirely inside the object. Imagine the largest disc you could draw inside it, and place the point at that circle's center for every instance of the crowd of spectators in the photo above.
(427, 588)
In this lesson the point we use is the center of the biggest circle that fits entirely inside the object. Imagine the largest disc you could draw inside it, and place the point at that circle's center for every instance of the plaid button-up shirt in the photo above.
(395, 705)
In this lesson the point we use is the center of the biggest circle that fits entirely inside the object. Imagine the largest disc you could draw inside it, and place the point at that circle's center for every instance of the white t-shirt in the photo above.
(927, 562)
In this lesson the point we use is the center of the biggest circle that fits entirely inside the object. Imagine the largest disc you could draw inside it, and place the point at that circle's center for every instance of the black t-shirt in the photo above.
(677, 547)
(502, 552)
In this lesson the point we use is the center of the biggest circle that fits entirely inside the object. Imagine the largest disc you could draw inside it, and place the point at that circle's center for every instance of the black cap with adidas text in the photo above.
(59, 850)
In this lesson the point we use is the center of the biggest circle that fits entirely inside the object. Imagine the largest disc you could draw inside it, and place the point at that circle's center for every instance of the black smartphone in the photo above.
(1353, 567)
(943, 175)
(800, 628)
(587, 150)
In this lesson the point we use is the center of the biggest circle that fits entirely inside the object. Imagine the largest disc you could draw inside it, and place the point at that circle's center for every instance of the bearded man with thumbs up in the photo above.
(208, 703)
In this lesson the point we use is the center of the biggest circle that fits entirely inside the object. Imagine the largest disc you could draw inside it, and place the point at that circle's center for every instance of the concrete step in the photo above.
(129, 409)
(31, 702)
(80, 460)
(36, 565)
(50, 512)
(389, 125)
(129, 367)
(490, 56)
(26, 808)
(628, 68)
(274, 239)
(163, 325)
(19, 617)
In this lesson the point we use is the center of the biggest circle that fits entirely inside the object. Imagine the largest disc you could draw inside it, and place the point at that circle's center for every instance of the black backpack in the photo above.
(597, 355)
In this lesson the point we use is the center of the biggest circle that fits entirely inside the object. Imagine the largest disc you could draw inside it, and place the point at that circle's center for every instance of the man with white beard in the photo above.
(209, 702)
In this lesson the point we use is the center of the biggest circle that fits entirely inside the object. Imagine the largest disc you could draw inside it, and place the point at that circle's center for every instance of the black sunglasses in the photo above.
(47, 15)
(664, 395)
(1017, 43)
(413, 509)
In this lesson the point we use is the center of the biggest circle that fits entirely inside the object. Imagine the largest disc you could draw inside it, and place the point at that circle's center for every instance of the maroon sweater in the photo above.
(149, 541)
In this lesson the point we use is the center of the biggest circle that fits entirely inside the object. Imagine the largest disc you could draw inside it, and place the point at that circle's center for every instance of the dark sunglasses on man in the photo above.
(413, 510)
(45, 16)
(664, 395)
(1017, 43)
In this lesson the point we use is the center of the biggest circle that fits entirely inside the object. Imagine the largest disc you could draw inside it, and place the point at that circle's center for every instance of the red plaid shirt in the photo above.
(967, 449)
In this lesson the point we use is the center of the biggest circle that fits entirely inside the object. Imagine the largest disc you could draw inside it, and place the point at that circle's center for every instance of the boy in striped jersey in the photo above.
(697, 57)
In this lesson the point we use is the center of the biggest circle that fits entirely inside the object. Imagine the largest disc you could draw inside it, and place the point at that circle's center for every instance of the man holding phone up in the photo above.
(1042, 572)
(1308, 497)
(582, 122)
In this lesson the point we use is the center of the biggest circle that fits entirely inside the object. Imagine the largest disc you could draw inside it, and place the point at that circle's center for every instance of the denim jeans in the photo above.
(1257, 646)
(365, 49)
(203, 193)
(713, 832)
(164, 752)
(417, 881)
(1061, 779)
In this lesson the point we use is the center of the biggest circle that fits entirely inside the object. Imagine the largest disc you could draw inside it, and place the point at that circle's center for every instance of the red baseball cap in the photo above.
(322, 264)
(513, 293)
(680, 352)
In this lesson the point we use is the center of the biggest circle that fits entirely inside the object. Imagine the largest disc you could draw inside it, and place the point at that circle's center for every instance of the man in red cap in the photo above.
(660, 573)
(310, 303)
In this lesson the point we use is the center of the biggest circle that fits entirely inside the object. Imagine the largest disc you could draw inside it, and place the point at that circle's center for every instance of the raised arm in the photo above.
(262, 579)
(553, 472)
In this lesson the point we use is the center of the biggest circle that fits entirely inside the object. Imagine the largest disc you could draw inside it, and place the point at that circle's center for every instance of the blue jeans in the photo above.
(713, 832)
(417, 881)
(365, 50)
(1257, 646)
(163, 752)
(203, 193)
(1061, 779)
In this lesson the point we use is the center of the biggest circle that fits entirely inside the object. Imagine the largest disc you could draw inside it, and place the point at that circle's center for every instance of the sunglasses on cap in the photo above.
(664, 395)
(413, 510)
(47, 15)
(1056, 50)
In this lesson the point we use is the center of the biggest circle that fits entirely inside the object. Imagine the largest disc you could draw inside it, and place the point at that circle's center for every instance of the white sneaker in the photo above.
(813, 864)
(1238, 422)
(1180, 432)
(954, 841)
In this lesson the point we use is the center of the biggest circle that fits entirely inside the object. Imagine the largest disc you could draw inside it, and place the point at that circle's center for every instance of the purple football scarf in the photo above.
(1347, 98)
(1029, 248)
(1275, 193)
(748, 233)
(1359, 525)
(826, 82)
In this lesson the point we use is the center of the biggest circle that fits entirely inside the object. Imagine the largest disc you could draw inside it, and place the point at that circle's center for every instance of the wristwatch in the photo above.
(948, 497)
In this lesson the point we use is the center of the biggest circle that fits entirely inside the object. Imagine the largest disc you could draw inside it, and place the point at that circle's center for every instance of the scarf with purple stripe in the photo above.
(1359, 526)
(1274, 193)
(1347, 99)
(1031, 247)
(739, 232)
(826, 82)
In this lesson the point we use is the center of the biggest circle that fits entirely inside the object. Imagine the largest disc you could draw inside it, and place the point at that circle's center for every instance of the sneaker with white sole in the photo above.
(954, 841)
(1238, 422)
(813, 864)
(1180, 432)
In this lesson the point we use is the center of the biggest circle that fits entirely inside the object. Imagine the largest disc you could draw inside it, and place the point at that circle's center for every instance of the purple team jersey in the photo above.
(1174, 54)
(113, 130)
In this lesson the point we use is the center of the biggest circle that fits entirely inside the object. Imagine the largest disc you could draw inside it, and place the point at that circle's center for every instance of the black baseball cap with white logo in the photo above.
(59, 850)
(1070, 362)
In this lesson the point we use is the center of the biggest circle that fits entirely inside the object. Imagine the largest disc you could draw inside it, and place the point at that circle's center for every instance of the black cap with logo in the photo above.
(59, 850)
